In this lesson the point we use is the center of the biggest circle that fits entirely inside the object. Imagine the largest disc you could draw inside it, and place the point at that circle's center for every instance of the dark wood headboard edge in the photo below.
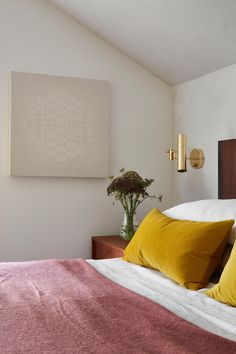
(227, 169)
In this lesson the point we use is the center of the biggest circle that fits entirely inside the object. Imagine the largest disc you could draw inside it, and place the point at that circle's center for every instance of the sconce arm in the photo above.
(172, 154)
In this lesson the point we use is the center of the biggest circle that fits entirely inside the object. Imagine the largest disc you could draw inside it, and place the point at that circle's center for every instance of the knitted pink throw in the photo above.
(67, 307)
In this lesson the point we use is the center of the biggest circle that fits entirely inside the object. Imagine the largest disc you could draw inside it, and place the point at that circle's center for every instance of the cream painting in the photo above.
(59, 126)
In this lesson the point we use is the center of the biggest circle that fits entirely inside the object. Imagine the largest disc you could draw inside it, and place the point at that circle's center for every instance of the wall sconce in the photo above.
(196, 157)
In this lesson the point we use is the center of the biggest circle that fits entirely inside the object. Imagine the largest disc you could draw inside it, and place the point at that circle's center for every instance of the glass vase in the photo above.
(129, 225)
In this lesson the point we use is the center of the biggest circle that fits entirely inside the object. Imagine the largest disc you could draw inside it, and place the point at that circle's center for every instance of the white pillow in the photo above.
(206, 210)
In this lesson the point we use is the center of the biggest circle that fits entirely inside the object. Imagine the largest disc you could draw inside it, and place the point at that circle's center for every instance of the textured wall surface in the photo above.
(55, 217)
(205, 109)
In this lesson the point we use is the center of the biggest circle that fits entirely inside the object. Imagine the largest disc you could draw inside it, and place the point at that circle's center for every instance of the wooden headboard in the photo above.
(227, 169)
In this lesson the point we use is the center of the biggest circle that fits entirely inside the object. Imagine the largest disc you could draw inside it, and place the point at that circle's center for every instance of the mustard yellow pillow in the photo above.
(186, 251)
(225, 290)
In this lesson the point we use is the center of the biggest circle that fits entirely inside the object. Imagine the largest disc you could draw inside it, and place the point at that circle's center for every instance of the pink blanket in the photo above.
(57, 307)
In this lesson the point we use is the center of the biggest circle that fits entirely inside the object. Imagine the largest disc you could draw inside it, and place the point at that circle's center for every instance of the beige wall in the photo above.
(205, 109)
(54, 217)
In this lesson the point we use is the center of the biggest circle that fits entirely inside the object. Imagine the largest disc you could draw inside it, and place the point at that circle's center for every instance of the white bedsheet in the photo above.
(194, 306)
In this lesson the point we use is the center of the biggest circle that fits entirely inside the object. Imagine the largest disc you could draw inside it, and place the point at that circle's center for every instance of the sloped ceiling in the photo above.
(177, 40)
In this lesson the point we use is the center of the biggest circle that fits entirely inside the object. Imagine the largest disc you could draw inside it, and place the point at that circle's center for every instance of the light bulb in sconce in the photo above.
(196, 157)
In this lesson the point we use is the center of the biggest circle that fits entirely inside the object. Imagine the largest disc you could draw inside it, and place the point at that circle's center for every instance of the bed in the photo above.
(110, 306)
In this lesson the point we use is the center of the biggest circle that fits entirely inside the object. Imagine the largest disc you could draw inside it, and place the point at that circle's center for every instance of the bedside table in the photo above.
(108, 247)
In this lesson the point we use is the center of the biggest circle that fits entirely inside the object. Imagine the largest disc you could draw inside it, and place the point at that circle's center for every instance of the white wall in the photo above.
(55, 217)
(205, 109)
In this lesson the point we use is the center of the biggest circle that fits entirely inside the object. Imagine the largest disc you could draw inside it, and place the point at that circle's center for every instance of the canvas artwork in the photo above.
(59, 126)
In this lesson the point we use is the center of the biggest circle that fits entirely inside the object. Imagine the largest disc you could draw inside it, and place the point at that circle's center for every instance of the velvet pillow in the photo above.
(224, 260)
(225, 290)
(186, 251)
(206, 210)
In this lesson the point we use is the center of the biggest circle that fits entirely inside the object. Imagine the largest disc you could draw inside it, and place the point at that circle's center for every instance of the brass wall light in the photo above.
(196, 157)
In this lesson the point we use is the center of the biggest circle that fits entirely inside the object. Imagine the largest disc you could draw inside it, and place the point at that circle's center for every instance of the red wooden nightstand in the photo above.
(108, 247)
